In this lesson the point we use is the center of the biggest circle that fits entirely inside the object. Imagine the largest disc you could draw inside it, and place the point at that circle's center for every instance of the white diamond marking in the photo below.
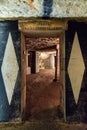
(76, 68)
(9, 68)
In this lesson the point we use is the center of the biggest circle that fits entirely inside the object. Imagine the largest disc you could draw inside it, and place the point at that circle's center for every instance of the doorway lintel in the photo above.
(50, 28)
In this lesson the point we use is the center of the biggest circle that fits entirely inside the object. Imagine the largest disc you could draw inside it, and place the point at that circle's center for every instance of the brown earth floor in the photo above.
(43, 95)
(42, 126)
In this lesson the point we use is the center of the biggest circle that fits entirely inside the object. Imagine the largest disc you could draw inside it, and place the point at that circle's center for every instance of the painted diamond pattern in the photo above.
(9, 68)
(76, 68)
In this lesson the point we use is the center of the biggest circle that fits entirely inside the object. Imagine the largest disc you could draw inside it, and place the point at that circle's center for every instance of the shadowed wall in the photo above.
(9, 70)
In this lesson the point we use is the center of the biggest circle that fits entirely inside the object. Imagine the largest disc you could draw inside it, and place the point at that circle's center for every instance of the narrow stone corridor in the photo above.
(43, 94)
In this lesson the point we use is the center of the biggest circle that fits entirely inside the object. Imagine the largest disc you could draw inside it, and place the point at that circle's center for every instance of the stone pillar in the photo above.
(52, 63)
(9, 70)
(57, 60)
(27, 63)
(37, 62)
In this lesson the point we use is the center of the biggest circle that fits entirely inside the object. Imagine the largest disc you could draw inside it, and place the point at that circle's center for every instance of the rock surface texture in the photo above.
(16, 9)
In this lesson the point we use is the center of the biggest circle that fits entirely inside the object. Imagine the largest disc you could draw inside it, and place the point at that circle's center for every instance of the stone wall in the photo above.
(16, 9)
(76, 72)
(10, 82)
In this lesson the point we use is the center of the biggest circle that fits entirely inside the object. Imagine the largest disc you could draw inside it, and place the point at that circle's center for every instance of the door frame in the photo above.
(57, 31)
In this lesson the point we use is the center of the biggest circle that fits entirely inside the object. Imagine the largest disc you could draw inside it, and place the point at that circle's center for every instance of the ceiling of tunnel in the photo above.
(41, 43)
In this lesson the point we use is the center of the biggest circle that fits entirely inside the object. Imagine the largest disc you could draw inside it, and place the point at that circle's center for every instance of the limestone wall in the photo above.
(54, 8)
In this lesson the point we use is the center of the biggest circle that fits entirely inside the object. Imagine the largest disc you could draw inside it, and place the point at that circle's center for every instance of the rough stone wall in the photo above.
(10, 9)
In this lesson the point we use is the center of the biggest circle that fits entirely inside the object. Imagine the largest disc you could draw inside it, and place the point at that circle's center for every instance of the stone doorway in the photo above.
(42, 38)
(42, 78)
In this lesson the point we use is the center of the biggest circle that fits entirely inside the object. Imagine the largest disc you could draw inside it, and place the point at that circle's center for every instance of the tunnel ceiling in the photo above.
(41, 43)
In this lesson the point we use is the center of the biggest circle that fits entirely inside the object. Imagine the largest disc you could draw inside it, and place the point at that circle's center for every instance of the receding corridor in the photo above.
(43, 94)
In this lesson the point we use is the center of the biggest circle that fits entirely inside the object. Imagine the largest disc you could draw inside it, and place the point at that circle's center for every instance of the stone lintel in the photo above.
(41, 24)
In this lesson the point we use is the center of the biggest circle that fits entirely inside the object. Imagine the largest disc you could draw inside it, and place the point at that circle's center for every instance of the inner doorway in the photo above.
(42, 78)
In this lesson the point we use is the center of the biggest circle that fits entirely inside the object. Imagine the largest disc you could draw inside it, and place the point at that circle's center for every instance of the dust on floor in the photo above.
(43, 94)
(41, 126)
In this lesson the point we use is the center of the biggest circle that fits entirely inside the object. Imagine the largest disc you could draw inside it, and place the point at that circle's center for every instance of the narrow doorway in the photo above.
(42, 78)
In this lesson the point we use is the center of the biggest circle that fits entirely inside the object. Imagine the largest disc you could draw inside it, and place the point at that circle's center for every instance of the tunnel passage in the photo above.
(42, 55)
(42, 78)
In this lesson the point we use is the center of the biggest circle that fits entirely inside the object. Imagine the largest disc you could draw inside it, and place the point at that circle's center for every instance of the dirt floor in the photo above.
(42, 126)
(43, 94)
